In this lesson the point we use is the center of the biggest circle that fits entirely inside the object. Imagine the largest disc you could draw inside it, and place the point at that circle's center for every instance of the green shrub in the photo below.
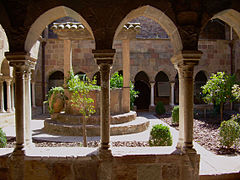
(175, 115)
(3, 139)
(160, 109)
(229, 132)
(116, 81)
(160, 136)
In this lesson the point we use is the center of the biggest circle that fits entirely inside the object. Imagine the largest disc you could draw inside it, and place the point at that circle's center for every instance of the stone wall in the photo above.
(128, 167)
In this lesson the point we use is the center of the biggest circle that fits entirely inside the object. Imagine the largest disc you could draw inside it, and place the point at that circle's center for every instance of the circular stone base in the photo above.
(120, 124)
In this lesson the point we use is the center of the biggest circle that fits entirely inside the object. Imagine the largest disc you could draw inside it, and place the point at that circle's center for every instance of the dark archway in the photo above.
(176, 90)
(82, 75)
(200, 80)
(97, 77)
(142, 85)
(56, 79)
(162, 88)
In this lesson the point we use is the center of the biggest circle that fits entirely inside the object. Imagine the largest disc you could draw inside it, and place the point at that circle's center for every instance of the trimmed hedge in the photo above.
(160, 136)
(175, 115)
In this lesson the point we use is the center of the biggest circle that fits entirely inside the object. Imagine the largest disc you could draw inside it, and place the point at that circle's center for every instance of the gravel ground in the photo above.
(206, 134)
(11, 143)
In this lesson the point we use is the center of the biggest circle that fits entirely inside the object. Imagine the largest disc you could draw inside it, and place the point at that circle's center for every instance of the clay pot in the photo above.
(56, 103)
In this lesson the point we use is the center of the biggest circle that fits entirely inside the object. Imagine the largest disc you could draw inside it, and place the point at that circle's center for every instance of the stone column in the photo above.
(185, 62)
(172, 93)
(8, 82)
(104, 59)
(28, 109)
(67, 58)
(1, 97)
(33, 95)
(152, 105)
(21, 63)
(12, 91)
(126, 74)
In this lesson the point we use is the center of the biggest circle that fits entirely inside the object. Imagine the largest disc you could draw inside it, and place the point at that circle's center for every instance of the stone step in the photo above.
(94, 119)
(56, 128)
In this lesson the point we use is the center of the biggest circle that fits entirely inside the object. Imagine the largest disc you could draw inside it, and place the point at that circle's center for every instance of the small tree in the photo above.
(81, 100)
(218, 90)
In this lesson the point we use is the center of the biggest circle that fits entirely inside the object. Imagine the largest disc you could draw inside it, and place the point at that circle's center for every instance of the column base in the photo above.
(152, 108)
(105, 154)
(186, 148)
(9, 110)
(2, 111)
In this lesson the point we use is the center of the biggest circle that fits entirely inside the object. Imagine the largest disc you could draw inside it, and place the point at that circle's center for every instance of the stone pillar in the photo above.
(185, 62)
(172, 93)
(21, 63)
(12, 91)
(28, 109)
(126, 74)
(33, 95)
(104, 59)
(8, 82)
(152, 105)
(67, 58)
(1, 97)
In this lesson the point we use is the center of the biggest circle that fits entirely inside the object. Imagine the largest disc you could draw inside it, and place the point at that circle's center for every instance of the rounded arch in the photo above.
(4, 45)
(56, 78)
(162, 88)
(161, 18)
(231, 17)
(141, 84)
(161, 76)
(199, 80)
(48, 17)
(201, 76)
(5, 68)
(142, 76)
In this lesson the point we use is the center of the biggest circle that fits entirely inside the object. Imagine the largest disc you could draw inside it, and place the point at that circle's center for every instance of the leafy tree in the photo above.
(218, 90)
(81, 99)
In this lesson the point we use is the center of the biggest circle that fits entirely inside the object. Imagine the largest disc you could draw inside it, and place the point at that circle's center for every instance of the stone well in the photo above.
(69, 122)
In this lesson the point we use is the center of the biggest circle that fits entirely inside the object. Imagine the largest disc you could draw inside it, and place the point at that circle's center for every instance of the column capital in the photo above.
(104, 56)
(186, 58)
(172, 82)
(152, 83)
(8, 81)
(21, 61)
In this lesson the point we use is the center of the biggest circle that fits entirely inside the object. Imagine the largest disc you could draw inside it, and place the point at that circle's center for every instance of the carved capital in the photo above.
(22, 62)
(104, 56)
(185, 61)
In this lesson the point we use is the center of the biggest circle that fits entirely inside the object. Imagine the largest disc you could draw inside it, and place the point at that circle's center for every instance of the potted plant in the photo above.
(56, 100)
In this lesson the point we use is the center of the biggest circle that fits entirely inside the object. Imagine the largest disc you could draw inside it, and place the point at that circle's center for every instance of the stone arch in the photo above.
(231, 17)
(4, 46)
(141, 84)
(5, 68)
(161, 18)
(56, 78)
(48, 17)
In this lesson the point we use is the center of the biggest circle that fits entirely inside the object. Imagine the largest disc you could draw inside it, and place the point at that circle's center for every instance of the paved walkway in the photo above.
(209, 163)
